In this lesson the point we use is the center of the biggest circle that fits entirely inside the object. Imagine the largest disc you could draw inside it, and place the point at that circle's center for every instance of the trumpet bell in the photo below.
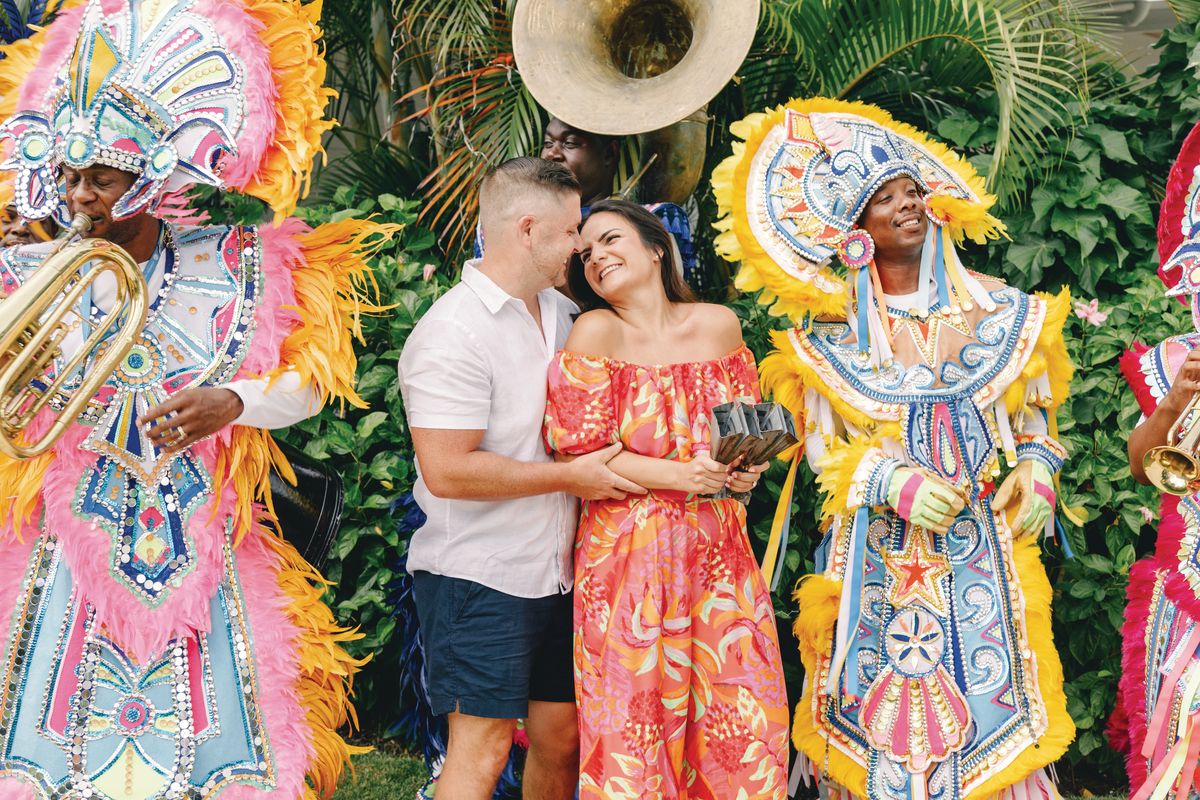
(1172, 470)
(620, 67)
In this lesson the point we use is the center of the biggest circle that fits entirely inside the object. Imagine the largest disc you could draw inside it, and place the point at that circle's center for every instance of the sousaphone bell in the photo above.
(622, 67)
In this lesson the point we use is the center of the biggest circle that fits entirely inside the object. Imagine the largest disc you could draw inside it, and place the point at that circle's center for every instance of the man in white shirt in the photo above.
(492, 565)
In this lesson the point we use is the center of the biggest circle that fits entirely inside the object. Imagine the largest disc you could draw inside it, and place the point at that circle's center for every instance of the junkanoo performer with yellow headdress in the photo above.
(925, 630)
(159, 640)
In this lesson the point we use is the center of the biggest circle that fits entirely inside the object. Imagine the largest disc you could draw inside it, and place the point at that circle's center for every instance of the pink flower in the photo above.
(1147, 514)
(427, 271)
(1090, 312)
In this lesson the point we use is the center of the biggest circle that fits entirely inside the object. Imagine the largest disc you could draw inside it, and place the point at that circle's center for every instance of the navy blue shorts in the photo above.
(487, 653)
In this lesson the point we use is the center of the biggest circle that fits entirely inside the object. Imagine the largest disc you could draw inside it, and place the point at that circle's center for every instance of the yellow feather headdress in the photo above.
(791, 194)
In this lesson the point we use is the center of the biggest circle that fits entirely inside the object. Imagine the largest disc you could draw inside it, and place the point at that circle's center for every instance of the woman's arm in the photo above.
(1157, 427)
(701, 475)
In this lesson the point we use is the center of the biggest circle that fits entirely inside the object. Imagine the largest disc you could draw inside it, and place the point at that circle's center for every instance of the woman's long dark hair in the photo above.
(653, 236)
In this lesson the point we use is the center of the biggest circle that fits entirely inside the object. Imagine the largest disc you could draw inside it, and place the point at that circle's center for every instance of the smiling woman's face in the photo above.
(895, 218)
(614, 256)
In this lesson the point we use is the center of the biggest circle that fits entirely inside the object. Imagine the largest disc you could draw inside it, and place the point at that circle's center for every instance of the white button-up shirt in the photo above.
(477, 361)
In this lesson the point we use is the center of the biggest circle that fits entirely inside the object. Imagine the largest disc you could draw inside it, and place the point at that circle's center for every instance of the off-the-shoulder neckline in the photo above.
(732, 354)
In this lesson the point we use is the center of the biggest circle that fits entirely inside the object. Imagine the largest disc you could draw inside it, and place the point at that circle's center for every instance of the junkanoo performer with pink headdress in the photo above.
(159, 640)
(925, 630)
(1155, 722)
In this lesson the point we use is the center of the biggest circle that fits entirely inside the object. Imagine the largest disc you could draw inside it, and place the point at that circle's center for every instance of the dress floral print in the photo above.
(677, 666)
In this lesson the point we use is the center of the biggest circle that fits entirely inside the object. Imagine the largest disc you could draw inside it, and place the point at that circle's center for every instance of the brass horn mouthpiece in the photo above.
(80, 224)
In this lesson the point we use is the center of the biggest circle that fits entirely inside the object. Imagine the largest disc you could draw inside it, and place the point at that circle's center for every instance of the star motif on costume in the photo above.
(916, 571)
(926, 333)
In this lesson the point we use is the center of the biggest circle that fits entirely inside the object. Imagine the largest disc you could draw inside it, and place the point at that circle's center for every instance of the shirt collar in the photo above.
(493, 297)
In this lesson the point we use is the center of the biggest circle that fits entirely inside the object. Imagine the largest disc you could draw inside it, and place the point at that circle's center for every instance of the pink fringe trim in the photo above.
(13, 789)
(274, 638)
(87, 549)
(240, 31)
(277, 314)
(1127, 725)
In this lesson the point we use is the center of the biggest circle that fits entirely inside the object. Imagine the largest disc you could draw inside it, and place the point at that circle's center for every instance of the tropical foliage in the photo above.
(1024, 60)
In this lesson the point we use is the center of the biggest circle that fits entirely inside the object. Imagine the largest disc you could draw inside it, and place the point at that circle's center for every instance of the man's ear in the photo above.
(525, 225)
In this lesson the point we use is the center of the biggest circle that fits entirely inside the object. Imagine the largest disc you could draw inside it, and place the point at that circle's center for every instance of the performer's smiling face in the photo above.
(615, 259)
(895, 218)
(94, 191)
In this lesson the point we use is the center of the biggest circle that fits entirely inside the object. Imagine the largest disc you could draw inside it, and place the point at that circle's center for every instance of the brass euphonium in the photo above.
(37, 318)
(1175, 468)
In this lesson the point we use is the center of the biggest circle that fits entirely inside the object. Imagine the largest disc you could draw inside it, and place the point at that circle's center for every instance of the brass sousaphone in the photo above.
(621, 67)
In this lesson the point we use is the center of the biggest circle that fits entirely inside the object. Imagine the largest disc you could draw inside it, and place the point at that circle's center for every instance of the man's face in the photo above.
(895, 218)
(94, 191)
(554, 237)
(14, 228)
(591, 159)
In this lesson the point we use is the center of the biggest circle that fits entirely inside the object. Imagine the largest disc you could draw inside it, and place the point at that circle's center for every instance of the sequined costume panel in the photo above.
(933, 689)
(132, 668)
(677, 663)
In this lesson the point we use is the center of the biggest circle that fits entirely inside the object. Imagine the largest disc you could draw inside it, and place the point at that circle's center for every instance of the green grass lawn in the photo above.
(395, 775)
(383, 775)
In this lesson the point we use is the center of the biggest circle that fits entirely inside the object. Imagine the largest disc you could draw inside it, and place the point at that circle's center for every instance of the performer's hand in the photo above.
(743, 479)
(1031, 486)
(701, 475)
(1185, 385)
(590, 477)
(189, 416)
(924, 499)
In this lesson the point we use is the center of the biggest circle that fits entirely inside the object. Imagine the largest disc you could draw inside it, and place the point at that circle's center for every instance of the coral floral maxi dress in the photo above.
(677, 667)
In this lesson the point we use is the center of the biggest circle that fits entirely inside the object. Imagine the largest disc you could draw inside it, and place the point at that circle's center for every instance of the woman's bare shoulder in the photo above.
(718, 323)
(595, 332)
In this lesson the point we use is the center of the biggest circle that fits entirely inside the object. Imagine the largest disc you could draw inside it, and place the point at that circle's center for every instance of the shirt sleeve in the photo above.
(444, 378)
(580, 410)
(274, 405)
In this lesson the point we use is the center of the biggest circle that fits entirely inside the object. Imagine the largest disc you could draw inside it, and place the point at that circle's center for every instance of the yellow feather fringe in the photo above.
(784, 371)
(839, 463)
(333, 289)
(817, 597)
(291, 34)
(795, 298)
(21, 490)
(1049, 356)
(326, 670)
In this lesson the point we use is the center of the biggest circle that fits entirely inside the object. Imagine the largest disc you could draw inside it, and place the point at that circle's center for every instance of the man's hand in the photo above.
(1031, 484)
(589, 477)
(189, 416)
(923, 499)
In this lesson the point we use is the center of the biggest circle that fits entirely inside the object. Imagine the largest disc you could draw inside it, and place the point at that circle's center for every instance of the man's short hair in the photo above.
(508, 187)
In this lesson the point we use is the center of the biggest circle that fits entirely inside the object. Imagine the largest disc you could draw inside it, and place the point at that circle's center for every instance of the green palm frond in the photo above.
(1030, 56)
(486, 115)
(1185, 10)
(449, 29)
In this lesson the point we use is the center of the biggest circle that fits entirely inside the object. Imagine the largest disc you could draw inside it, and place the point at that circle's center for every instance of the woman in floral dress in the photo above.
(677, 666)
